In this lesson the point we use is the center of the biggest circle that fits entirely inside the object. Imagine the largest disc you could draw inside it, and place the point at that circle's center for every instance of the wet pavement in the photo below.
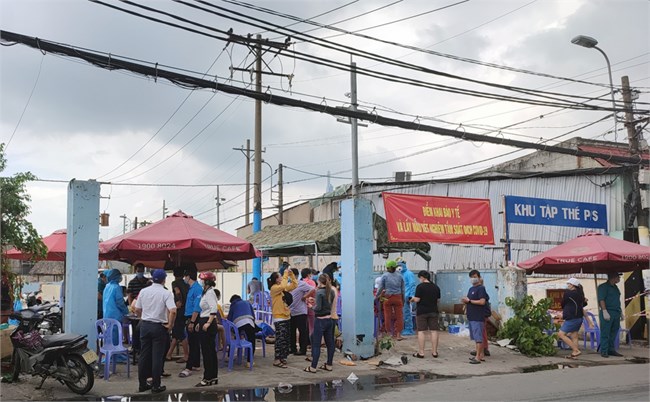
(334, 390)
(266, 382)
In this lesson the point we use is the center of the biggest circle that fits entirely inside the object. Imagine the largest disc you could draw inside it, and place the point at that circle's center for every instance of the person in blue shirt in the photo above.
(192, 311)
(101, 285)
(475, 300)
(410, 283)
(113, 299)
(391, 289)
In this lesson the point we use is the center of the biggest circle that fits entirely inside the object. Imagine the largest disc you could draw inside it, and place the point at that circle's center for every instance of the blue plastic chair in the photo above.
(592, 332)
(262, 307)
(235, 345)
(626, 335)
(261, 336)
(106, 327)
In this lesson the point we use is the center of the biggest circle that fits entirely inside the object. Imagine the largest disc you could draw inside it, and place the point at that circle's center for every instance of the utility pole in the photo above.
(637, 210)
(280, 201)
(635, 320)
(124, 218)
(164, 210)
(257, 169)
(355, 128)
(257, 179)
(219, 199)
(247, 153)
(135, 223)
(355, 131)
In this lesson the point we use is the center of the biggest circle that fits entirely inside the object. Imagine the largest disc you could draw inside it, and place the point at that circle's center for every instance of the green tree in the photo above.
(15, 229)
(528, 327)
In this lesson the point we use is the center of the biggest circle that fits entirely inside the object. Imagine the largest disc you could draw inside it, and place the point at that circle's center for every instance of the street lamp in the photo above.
(590, 43)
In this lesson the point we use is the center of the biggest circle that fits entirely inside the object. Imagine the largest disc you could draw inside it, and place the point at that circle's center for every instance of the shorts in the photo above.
(571, 325)
(427, 322)
(178, 330)
(476, 331)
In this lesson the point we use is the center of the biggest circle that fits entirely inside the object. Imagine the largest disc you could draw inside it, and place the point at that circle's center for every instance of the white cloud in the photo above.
(83, 121)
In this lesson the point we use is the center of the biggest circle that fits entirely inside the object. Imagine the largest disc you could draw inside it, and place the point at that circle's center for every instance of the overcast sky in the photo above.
(64, 118)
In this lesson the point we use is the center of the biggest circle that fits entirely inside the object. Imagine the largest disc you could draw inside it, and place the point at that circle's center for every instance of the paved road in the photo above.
(629, 382)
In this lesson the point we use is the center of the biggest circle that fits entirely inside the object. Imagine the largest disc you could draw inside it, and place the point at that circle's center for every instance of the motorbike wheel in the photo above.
(85, 378)
(15, 372)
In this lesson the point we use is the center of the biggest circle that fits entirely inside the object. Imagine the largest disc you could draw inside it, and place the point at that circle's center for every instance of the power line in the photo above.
(371, 73)
(146, 184)
(322, 14)
(418, 49)
(40, 66)
(399, 20)
(368, 55)
(194, 82)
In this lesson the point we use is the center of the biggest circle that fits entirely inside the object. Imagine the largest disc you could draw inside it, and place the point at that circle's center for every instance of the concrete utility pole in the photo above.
(280, 197)
(135, 223)
(218, 199)
(164, 210)
(124, 218)
(633, 139)
(257, 168)
(247, 153)
(81, 259)
(355, 130)
(356, 254)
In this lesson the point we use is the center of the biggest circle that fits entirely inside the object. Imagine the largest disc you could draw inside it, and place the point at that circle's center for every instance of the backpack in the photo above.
(287, 298)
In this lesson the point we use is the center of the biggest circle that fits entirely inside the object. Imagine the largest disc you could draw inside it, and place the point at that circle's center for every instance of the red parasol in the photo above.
(590, 253)
(55, 243)
(179, 237)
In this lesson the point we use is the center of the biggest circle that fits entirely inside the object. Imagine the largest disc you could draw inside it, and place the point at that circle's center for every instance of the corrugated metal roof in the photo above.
(601, 189)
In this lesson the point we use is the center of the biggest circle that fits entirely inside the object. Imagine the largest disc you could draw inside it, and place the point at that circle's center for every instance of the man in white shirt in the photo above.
(156, 308)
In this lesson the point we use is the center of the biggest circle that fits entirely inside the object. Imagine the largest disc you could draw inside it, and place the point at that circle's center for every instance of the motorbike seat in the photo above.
(60, 339)
(40, 307)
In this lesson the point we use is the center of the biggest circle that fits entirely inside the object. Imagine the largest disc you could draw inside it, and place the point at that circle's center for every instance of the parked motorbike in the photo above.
(52, 322)
(31, 298)
(64, 357)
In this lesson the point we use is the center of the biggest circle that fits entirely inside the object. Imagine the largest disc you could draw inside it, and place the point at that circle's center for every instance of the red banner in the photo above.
(424, 218)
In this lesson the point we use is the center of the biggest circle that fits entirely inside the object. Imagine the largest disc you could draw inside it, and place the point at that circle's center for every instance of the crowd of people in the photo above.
(303, 306)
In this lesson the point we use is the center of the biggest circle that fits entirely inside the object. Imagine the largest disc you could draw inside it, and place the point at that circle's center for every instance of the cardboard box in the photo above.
(6, 348)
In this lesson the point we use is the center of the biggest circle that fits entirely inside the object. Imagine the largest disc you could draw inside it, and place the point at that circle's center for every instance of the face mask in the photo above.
(473, 281)
(139, 275)
(201, 282)
(186, 280)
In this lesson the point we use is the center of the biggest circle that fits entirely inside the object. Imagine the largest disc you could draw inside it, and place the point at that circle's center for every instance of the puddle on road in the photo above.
(638, 360)
(335, 390)
(546, 367)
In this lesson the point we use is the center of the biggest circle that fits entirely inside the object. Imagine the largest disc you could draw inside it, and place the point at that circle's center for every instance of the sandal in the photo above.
(280, 364)
(435, 355)
(164, 374)
(574, 355)
(308, 358)
(181, 360)
(324, 367)
(207, 383)
(185, 373)
(310, 369)
(418, 355)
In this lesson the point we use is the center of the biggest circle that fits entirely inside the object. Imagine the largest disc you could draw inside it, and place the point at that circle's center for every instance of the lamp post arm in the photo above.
(611, 87)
